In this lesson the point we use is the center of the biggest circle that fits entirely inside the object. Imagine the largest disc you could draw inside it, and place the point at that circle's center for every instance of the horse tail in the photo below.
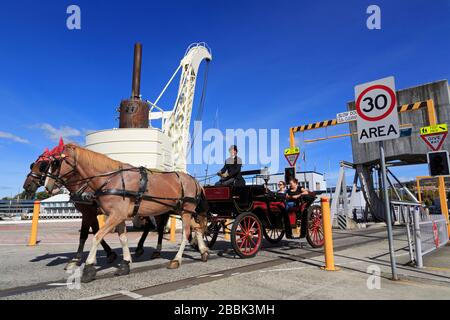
(202, 205)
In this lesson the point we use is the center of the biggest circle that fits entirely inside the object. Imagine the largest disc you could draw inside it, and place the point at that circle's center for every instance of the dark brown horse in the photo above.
(122, 191)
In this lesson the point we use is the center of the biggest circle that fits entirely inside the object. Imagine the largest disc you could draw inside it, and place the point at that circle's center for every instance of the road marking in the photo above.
(57, 284)
(288, 269)
(216, 275)
(100, 296)
(438, 268)
(130, 294)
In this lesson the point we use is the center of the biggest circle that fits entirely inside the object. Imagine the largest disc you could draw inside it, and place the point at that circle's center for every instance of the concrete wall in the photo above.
(410, 149)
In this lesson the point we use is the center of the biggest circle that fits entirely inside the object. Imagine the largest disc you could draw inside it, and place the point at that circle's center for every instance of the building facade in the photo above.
(58, 207)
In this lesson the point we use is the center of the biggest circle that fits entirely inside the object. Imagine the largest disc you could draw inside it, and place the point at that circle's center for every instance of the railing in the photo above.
(425, 232)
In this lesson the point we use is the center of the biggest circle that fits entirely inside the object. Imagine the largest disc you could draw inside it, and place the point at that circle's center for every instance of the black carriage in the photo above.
(249, 213)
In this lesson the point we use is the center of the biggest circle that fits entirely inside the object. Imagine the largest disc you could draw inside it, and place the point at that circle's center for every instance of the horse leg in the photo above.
(89, 271)
(84, 233)
(199, 230)
(161, 222)
(124, 266)
(140, 247)
(111, 256)
(186, 229)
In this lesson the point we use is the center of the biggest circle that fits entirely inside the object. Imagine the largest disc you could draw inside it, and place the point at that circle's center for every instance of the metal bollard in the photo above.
(173, 226)
(34, 223)
(328, 235)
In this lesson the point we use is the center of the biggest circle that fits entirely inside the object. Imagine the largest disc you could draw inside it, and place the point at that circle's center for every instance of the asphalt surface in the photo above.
(287, 270)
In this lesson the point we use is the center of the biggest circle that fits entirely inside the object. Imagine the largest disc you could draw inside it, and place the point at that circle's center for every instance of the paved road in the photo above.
(288, 270)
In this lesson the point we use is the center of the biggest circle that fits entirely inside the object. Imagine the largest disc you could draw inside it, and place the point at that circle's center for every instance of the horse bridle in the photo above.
(46, 164)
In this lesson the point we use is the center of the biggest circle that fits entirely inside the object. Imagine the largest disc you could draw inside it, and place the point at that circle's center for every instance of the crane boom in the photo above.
(177, 124)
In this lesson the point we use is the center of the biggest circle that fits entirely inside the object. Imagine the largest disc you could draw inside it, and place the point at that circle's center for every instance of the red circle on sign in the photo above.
(384, 115)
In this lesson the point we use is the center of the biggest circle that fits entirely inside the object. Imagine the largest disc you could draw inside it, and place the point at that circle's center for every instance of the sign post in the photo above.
(377, 120)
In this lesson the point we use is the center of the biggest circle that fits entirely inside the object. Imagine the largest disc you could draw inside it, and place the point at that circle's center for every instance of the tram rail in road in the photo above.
(284, 257)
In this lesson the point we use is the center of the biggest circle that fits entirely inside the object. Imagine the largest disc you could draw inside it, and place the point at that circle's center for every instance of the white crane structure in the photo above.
(176, 123)
(164, 148)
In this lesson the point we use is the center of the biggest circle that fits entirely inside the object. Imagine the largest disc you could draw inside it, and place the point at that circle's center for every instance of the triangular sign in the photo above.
(434, 140)
(291, 158)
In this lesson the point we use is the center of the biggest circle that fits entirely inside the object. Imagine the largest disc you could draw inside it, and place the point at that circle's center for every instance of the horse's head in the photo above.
(38, 173)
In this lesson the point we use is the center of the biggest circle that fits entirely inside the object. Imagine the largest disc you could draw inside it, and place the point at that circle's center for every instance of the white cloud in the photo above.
(55, 133)
(10, 136)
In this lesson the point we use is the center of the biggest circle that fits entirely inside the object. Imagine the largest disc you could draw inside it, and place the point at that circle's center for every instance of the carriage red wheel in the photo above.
(314, 233)
(246, 235)
(273, 235)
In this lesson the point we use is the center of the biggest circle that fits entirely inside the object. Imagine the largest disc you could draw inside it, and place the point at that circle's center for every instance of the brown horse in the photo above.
(89, 211)
(122, 191)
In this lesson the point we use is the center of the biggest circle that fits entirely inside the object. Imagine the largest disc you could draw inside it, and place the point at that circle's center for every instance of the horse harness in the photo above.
(139, 195)
(83, 197)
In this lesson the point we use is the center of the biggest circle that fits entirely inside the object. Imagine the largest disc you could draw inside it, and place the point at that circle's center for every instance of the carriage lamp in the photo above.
(265, 175)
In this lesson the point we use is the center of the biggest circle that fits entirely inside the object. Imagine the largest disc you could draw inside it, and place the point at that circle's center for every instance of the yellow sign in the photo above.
(289, 151)
(439, 128)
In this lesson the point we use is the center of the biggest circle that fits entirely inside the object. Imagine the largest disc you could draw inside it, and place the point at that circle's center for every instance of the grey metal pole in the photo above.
(417, 239)
(388, 212)
(409, 227)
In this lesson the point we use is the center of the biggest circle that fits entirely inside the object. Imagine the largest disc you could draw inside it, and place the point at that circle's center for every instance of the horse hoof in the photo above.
(205, 256)
(156, 255)
(174, 264)
(139, 252)
(123, 269)
(72, 264)
(89, 273)
(111, 257)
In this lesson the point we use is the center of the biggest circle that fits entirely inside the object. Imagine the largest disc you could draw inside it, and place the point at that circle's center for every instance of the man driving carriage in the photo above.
(230, 174)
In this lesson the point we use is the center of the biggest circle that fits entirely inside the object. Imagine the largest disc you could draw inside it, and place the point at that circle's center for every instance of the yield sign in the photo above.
(292, 158)
(434, 140)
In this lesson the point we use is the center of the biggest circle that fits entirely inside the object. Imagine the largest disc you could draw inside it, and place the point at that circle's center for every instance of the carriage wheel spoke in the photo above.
(242, 243)
(252, 225)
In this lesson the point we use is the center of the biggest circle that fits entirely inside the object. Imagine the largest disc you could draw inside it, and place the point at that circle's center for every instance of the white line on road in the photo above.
(130, 294)
(216, 275)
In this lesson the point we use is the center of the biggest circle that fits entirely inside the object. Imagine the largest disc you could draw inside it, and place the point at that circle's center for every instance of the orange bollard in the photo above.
(327, 235)
(101, 220)
(34, 223)
(173, 226)
(227, 229)
(297, 231)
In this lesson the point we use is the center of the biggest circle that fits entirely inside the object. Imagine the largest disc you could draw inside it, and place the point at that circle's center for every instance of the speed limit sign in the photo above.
(376, 108)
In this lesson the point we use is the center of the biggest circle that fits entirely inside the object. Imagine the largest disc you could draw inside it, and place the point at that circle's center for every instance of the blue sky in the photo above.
(275, 64)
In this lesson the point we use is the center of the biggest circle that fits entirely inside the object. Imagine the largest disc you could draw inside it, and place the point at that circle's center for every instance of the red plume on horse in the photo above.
(57, 151)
